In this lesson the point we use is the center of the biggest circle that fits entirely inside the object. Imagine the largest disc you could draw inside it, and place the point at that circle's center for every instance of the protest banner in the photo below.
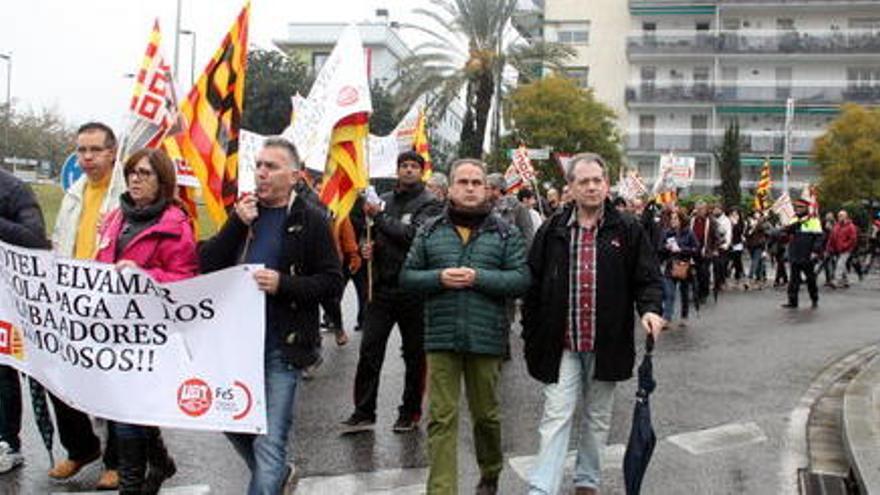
(784, 209)
(384, 149)
(249, 145)
(681, 169)
(120, 346)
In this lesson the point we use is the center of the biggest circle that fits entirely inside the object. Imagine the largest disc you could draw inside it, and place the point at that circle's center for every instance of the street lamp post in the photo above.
(8, 58)
(192, 62)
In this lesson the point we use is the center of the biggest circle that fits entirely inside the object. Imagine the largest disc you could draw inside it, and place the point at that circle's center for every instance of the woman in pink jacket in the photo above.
(152, 232)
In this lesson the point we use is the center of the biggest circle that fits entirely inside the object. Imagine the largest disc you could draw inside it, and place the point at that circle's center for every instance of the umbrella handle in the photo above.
(649, 344)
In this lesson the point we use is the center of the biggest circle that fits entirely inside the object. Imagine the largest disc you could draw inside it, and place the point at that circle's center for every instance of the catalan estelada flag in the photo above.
(212, 115)
(422, 146)
(346, 172)
(762, 193)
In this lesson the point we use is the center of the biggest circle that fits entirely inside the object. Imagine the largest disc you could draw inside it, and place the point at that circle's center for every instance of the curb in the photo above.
(861, 435)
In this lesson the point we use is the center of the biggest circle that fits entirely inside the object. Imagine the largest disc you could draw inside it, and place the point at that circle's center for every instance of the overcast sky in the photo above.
(73, 54)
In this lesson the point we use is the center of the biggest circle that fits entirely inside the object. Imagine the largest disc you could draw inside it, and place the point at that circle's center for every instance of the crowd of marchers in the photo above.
(451, 262)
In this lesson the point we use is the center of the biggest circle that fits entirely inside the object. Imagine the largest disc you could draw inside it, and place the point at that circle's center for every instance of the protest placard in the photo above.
(118, 345)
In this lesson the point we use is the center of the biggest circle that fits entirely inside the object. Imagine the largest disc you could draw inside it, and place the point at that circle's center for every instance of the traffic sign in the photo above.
(70, 171)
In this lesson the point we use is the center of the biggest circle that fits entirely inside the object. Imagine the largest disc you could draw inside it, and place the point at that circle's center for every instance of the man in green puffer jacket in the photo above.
(467, 262)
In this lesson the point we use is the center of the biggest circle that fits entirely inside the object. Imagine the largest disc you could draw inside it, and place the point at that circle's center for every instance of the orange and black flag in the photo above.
(422, 146)
(762, 193)
(212, 113)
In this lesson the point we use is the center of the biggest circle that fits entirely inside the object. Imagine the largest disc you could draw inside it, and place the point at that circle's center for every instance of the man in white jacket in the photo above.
(76, 236)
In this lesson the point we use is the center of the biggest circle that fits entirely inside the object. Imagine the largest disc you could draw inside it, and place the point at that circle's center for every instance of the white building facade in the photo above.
(694, 67)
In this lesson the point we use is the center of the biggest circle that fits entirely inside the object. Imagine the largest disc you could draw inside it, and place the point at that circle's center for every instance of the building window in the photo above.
(318, 60)
(580, 76)
(574, 33)
(861, 77)
(871, 24)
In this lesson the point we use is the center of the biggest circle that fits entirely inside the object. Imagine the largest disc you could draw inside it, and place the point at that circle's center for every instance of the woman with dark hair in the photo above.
(676, 251)
(149, 231)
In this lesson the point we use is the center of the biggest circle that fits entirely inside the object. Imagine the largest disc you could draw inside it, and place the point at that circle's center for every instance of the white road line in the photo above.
(719, 438)
(612, 458)
(389, 481)
(171, 490)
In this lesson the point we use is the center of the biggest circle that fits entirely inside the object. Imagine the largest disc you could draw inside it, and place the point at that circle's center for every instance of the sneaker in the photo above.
(290, 480)
(357, 423)
(404, 424)
(9, 459)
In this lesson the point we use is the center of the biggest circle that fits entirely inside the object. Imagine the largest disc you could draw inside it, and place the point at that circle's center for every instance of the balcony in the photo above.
(754, 142)
(755, 42)
(670, 93)
(820, 92)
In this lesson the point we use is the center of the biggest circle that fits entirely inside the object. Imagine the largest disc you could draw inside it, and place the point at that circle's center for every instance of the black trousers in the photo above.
(78, 438)
(333, 309)
(390, 307)
(794, 282)
(703, 265)
(10, 407)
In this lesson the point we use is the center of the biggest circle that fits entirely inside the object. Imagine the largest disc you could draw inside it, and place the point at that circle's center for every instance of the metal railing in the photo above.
(841, 41)
(758, 142)
(812, 93)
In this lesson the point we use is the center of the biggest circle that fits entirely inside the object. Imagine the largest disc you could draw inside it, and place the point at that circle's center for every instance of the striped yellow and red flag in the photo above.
(212, 115)
(346, 172)
(762, 193)
(422, 146)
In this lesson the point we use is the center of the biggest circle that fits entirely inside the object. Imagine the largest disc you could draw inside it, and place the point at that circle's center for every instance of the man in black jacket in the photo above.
(21, 224)
(395, 222)
(806, 246)
(601, 259)
(279, 229)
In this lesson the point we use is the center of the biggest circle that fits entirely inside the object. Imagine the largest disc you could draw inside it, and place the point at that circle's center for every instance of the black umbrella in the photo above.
(641, 436)
(42, 416)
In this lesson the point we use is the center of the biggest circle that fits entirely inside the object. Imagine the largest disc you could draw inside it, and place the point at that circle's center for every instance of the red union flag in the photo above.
(523, 164)
(153, 109)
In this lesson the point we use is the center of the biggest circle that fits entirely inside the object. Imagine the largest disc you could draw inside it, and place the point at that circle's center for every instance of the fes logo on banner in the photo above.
(121, 346)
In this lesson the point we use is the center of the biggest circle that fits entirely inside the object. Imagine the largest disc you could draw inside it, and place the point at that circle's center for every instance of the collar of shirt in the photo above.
(573, 219)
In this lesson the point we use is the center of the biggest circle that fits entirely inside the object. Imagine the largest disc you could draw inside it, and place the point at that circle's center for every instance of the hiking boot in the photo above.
(357, 423)
(404, 424)
(68, 468)
(9, 459)
(487, 486)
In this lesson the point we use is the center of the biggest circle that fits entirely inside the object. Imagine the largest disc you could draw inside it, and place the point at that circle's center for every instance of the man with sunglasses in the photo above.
(396, 218)
(76, 235)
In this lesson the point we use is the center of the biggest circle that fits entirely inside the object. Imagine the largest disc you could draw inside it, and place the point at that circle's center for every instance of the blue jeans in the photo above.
(266, 455)
(560, 400)
(671, 287)
(756, 267)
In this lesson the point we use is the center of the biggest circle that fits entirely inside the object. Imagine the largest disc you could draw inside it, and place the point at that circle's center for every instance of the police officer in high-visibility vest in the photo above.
(804, 251)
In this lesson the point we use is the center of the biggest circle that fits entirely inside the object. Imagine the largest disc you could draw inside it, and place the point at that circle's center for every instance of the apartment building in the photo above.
(695, 67)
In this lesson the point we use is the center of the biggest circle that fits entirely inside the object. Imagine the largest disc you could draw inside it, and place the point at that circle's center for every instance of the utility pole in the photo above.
(177, 39)
(192, 62)
(786, 154)
(8, 58)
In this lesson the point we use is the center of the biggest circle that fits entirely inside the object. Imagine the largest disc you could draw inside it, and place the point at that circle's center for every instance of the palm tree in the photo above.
(468, 54)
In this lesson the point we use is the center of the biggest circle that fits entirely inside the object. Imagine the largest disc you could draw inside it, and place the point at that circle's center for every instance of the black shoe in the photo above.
(357, 423)
(790, 305)
(132, 465)
(161, 465)
(404, 424)
(815, 305)
(487, 486)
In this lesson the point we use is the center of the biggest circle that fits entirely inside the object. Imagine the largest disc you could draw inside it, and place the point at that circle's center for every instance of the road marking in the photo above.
(171, 490)
(719, 438)
(389, 481)
(612, 458)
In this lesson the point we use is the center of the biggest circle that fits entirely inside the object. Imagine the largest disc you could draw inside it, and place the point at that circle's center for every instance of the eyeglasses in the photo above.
(140, 173)
(82, 150)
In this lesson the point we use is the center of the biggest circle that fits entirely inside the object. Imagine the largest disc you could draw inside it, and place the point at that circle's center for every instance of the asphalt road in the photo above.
(727, 387)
